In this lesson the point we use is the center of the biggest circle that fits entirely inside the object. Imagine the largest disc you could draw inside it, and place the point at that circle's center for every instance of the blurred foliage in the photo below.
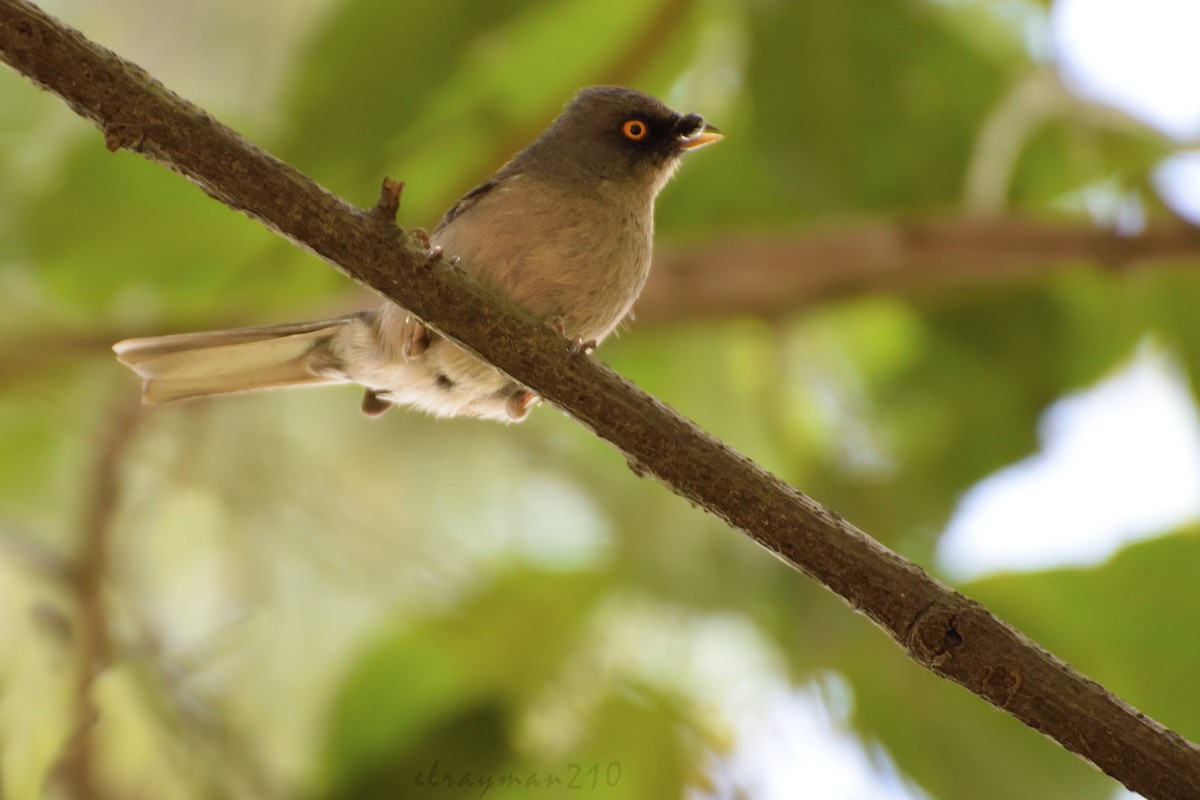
(305, 603)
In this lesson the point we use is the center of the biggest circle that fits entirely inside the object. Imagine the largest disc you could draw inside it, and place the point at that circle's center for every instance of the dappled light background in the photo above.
(271, 596)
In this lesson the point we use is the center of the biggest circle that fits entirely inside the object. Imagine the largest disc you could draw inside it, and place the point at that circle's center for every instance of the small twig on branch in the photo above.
(388, 204)
(949, 634)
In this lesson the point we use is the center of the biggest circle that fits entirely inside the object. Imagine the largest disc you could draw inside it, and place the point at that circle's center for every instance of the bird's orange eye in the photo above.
(634, 130)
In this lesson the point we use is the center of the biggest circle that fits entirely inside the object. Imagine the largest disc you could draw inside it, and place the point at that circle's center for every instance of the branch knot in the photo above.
(933, 635)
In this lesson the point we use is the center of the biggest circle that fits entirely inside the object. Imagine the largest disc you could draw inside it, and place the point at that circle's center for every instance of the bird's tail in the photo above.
(190, 365)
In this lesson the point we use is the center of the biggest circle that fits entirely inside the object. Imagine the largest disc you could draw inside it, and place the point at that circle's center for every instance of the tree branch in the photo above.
(769, 277)
(949, 634)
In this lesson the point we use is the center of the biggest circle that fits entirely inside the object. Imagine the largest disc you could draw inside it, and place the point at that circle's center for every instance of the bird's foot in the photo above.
(373, 405)
(433, 252)
(519, 403)
(433, 255)
(578, 344)
(421, 236)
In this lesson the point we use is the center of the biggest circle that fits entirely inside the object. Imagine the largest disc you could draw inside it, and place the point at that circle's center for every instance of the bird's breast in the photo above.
(582, 257)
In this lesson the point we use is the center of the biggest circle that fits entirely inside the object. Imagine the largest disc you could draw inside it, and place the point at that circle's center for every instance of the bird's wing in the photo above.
(468, 200)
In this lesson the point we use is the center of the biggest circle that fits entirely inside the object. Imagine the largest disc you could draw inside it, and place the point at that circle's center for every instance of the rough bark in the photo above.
(952, 635)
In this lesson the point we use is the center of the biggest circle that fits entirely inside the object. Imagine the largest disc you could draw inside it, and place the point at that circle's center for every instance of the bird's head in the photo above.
(621, 136)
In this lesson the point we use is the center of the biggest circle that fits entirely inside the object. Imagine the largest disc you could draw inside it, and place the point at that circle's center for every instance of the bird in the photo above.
(564, 230)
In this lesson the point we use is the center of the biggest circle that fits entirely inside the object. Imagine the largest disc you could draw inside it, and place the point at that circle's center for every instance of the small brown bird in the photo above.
(564, 229)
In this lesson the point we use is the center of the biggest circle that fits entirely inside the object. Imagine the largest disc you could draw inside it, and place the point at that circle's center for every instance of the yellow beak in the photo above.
(707, 135)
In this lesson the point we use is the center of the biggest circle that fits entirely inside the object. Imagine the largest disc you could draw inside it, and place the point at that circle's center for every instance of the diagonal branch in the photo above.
(947, 633)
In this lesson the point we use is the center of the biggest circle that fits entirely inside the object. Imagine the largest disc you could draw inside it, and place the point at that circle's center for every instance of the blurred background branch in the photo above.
(772, 276)
(91, 633)
(633, 58)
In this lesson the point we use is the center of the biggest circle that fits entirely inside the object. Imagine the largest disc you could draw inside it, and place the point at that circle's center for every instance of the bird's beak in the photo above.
(707, 135)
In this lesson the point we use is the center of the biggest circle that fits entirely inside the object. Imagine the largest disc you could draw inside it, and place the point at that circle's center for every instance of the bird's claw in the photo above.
(433, 254)
(579, 346)
(422, 237)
